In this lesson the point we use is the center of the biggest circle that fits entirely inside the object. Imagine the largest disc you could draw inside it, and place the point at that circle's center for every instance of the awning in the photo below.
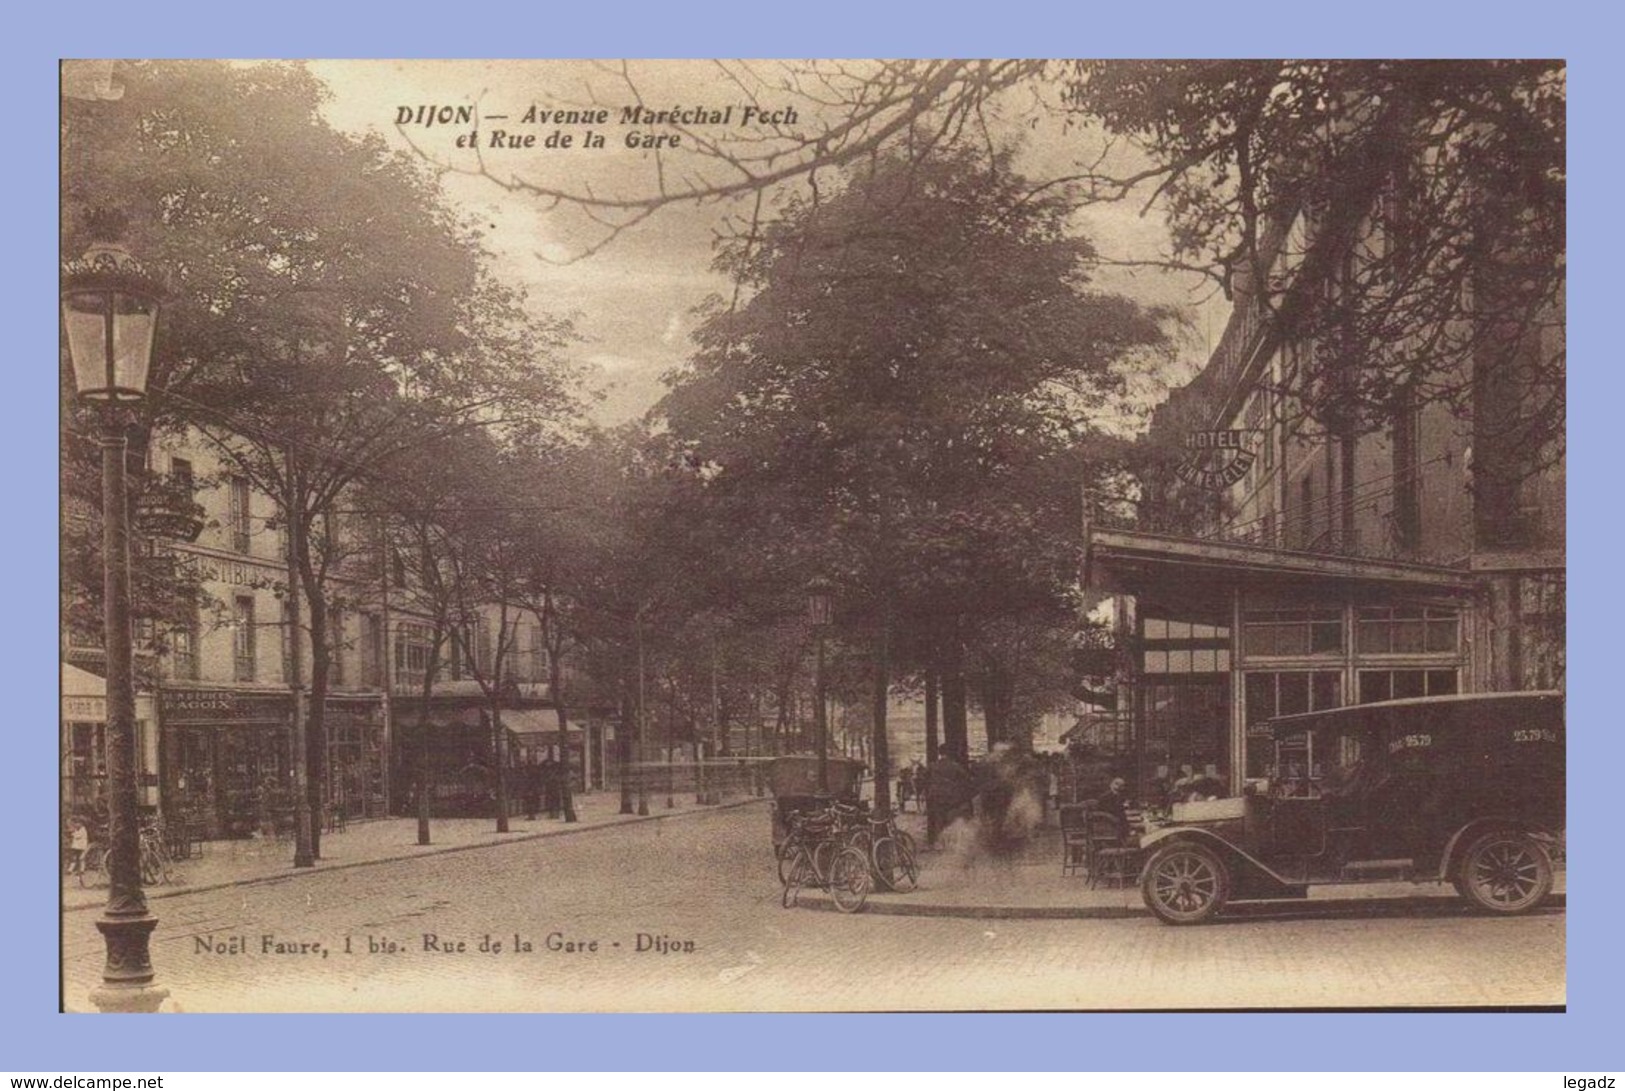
(84, 695)
(1132, 561)
(531, 721)
(518, 721)
(81, 683)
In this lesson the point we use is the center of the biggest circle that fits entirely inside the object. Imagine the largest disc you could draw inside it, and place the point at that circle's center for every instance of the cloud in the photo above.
(673, 331)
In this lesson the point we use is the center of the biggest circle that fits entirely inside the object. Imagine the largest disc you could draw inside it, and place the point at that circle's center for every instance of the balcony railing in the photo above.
(1375, 534)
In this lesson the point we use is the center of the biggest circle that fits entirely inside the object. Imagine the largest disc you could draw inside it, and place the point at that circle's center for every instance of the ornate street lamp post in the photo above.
(820, 610)
(109, 311)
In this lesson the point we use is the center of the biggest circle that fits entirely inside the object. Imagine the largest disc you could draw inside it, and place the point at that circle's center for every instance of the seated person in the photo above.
(1116, 803)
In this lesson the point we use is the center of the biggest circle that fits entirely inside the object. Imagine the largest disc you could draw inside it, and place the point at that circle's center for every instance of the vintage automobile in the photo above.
(1461, 789)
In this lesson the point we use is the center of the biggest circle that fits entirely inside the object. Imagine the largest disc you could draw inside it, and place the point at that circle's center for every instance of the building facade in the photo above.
(216, 714)
(1276, 565)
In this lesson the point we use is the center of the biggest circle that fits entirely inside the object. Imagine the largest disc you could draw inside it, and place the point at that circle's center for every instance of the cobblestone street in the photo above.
(685, 914)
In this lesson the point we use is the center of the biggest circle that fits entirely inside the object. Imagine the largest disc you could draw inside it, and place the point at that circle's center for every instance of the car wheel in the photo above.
(1505, 872)
(1185, 884)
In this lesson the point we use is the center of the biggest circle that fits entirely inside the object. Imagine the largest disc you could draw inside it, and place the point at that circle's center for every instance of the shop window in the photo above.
(1408, 630)
(1187, 661)
(1270, 694)
(243, 634)
(1316, 631)
(1397, 685)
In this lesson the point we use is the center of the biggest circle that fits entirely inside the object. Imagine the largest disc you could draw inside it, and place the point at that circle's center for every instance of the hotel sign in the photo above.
(204, 566)
(1217, 458)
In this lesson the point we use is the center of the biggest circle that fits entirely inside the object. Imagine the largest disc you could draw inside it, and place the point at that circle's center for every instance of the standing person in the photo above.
(78, 846)
(533, 787)
(953, 795)
(905, 787)
(550, 785)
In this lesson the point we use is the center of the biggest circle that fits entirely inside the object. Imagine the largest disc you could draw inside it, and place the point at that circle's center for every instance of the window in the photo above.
(243, 634)
(335, 646)
(1283, 693)
(1313, 631)
(1396, 685)
(240, 514)
(372, 651)
(1184, 647)
(538, 654)
(412, 646)
(180, 472)
(1414, 630)
(183, 650)
(285, 636)
(510, 654)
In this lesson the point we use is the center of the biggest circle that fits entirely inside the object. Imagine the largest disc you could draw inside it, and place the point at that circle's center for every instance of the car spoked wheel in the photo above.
(1185, 884)
(1506, 873)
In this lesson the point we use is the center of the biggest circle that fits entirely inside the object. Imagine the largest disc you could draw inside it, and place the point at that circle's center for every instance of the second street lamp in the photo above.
(819, 614)
(109, 312)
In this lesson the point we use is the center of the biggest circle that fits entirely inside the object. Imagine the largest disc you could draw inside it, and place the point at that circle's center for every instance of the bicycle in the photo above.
(890, 852)
(814, 855)
(154, 853)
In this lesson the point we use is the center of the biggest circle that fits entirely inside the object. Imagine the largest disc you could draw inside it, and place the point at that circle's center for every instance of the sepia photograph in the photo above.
(812, 536)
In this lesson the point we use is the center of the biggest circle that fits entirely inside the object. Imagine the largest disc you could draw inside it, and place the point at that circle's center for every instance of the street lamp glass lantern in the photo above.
(109, 310)
(820, 607)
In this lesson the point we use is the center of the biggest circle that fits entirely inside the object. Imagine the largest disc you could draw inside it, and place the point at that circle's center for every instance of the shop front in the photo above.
(1222, 637)
(230, 759)
(357, 765)
(84, 744)
(453, 751)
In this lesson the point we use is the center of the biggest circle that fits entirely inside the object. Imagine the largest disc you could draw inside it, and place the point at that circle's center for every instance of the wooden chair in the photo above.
(1110, 859)
(1074, 839)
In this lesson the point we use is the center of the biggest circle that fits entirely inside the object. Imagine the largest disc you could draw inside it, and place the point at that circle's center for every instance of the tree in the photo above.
(909, 372)
(327, 310)
(1428, 257)
(1459, 166)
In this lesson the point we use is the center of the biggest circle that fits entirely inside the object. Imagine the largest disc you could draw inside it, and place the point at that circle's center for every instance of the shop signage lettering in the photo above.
(196, 704)
(93, 709)
(221, 570)
(1219, 458)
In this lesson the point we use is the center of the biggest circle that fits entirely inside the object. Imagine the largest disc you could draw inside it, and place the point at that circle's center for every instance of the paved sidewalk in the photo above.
(233, 863)
(958, 879)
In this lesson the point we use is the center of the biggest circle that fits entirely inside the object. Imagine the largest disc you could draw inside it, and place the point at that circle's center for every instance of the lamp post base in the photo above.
(142, 999)
(127, 979)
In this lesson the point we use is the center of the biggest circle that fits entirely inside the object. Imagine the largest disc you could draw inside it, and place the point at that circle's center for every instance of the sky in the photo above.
(633, 301)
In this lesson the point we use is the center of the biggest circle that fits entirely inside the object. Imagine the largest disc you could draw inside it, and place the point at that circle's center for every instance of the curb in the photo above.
(426, 850)
(1263, 909)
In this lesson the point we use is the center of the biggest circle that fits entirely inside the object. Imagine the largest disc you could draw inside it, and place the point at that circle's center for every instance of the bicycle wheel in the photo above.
(151, 867)
(786, 854)
(906, 839)
(895, 865)
(822, 858)
(799, 873)
(849, 880)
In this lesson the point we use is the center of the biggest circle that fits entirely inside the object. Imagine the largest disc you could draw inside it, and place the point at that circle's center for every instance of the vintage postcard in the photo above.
(728, 535)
